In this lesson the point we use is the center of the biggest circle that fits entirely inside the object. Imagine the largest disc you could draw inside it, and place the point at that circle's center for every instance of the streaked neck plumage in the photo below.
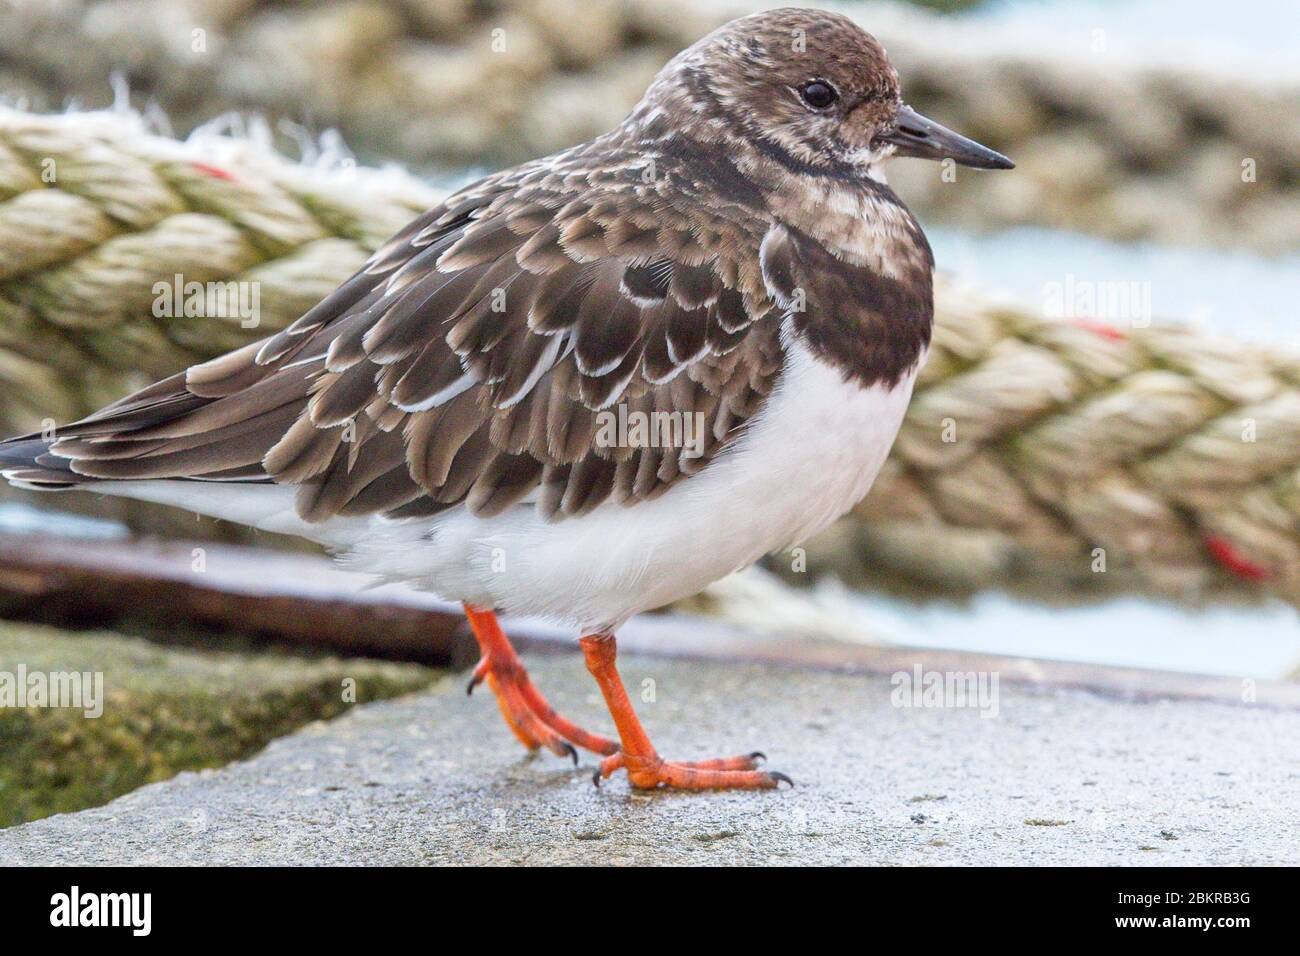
(844, 222)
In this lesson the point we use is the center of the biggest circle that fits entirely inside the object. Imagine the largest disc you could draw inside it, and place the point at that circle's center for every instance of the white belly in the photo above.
(807, 458)
(810, 454)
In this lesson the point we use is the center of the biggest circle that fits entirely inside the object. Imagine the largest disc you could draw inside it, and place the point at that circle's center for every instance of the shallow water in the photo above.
(1261, 642)
(1239, 293)
(17, 517)
(1256, 38)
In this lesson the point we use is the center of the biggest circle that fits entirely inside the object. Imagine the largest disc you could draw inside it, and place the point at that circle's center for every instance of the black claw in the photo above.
(758, 755)
(780, 777)
(595, 778)
(469, 688)
(568, 748)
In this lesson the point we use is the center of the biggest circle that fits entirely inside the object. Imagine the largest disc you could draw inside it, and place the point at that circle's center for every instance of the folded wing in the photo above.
(468, 364)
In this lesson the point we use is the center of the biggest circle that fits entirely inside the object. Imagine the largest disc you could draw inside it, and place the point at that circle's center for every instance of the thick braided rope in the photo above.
(1102, 143)
(94, 212)
(1070, 457)
(1078, 457)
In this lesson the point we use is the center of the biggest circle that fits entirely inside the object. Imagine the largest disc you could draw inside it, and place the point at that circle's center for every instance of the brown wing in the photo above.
(470, 361)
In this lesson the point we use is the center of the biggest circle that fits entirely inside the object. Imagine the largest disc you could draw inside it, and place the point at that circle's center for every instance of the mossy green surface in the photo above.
(165, 709)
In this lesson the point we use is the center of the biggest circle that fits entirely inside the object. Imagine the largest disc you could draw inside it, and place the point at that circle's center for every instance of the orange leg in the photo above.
(526, 711)
(645, 768)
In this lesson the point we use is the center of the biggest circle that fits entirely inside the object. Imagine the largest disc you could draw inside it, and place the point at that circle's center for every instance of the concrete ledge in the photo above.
(1058, 776)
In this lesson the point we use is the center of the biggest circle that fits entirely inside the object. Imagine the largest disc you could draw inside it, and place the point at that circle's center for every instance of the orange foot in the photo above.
(723, 773)
(646, 770)
(526, 711)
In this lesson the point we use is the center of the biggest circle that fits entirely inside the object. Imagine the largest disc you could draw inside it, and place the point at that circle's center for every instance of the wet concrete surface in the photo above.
(1049, 776)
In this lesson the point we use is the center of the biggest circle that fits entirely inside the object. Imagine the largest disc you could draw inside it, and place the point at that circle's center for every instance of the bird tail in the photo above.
(26, 462)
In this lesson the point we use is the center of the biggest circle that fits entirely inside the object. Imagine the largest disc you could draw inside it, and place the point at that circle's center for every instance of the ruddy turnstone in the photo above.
(589, 385)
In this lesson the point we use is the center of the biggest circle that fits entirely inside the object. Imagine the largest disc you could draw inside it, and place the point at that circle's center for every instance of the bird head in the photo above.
(808, 88)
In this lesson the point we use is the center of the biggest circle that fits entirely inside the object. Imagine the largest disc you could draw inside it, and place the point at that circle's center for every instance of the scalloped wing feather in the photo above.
(469, 363)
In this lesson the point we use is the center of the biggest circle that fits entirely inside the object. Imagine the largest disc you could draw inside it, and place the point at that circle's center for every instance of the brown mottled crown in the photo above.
(745, 78)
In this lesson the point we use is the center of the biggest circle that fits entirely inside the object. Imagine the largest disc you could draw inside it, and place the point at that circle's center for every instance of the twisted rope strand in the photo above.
(1104, 142)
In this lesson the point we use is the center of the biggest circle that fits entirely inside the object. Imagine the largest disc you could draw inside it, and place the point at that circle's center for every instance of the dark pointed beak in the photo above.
(914, 135)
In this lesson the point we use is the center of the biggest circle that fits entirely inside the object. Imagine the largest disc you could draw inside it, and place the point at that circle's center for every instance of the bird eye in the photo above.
(818, 94)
